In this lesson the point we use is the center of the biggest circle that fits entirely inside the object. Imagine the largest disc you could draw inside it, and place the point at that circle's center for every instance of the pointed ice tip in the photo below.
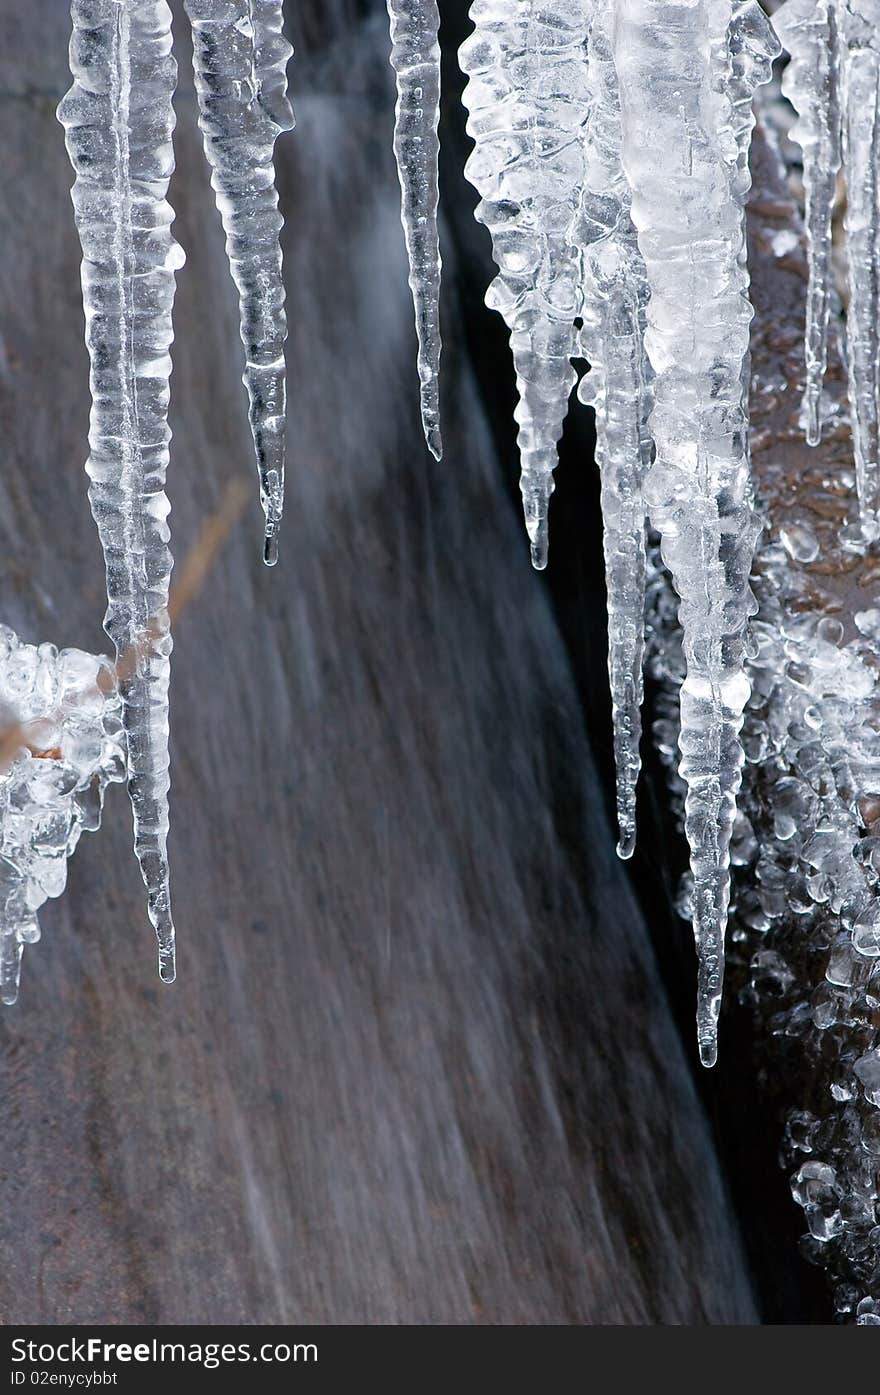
(814, 427)
(540, 545)
(626, 844)
(167, 965)
(708, 1052)
(270, 546)
(434, 439)
(9, 997)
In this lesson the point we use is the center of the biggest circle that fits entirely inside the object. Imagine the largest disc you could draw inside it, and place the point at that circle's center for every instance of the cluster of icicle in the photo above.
(118, 119)
(833, 82)
(61, 735)
(611, 156)
(611, 142)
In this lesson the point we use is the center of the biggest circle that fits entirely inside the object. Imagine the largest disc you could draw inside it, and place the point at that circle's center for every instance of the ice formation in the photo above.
(859, 28)
(415, 58)
(681, 147)
(614, 290)
(528, 97)
(805, 911)
(833, 81)
(611, 154)
(585, 116)
(62, 740)
(240, 59)
(808, 29)
(118, 121)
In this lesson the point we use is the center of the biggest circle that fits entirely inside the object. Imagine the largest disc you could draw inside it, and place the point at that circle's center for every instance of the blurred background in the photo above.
(430, 1053)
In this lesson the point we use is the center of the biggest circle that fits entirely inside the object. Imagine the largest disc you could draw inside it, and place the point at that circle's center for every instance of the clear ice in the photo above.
(118, 119)
(528, 96)
(833, 82)
(805, 910)
(611, 156)
(859, 27)
(680, 72)
(240, 58)
(811, 82)
(415, 58)
(63, 744)
(619, 387)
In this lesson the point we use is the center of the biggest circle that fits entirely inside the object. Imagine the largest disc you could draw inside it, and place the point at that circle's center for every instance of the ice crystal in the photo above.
(528, 96)
(240, 59)
(118, 121)
(680, 89)
(62, 739)
(415, 57)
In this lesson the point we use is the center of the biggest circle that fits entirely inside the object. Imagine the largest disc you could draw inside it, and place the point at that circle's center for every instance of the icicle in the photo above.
(62, 744)
(811, 82)
(681, 153)
(415, 58)
(240, 59)
(119, 120)
(860, 79)
(615, 293)
(527, 97)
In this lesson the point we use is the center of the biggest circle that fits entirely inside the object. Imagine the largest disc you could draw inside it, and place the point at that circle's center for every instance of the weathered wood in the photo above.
(417, 1066)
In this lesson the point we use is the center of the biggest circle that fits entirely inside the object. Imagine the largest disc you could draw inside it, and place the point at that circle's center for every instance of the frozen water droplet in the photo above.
(800, 542)
(868, 624)
(867, 1069)
(866, 932)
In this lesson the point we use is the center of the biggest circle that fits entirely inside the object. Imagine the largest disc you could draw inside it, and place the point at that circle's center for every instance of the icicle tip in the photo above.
(167, 964)
(626, 843)
(434, 439)
(539, 535)
(270, 546)
(813, 426)
(708, 1010)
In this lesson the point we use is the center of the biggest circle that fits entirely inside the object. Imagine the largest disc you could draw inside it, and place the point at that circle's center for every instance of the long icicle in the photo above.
(415, 58)
(119, 119)
(240, 59)
(615, 294)
(681, 153)
(860, 89)
(527, 96)
(811, 82)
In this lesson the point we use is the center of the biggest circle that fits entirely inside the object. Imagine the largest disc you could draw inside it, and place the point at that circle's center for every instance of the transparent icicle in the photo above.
(677, 65)
(860, 86)
(527, 97)
(118, 119)
(62, 709)
(240, 59)
(615, 295)
(811, 82)
(415, 58)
